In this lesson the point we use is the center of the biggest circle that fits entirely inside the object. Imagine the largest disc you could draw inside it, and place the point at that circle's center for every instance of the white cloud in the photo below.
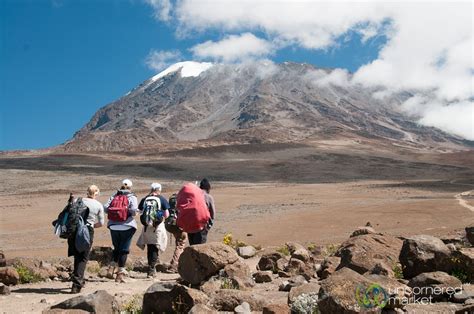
(162, 9)
(233, 48)
(428, 50)
(457, 118)
(159, 60)
(321, 78)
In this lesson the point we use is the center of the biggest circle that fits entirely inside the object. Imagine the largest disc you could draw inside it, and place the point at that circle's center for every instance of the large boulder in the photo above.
(9, 276)
(229, 299)
(424, 253)
(97, 302)
(345, 292)
(167, 298)
(364, 252)
(198, 263)
(438, 286)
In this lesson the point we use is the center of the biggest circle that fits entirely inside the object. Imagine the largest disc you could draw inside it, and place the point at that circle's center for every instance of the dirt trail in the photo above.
(464, 202)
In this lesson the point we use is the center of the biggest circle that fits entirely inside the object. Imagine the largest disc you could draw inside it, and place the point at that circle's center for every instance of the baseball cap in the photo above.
(127, 182)
(156, 186)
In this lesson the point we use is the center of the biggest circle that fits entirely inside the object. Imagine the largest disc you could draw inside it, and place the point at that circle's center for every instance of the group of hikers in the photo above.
(187, 214)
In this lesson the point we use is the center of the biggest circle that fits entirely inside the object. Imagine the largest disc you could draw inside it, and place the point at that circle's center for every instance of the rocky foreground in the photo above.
(368, 273)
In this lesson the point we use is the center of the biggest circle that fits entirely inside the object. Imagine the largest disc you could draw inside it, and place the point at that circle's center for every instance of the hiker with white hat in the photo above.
(153, 211)
(121, 209)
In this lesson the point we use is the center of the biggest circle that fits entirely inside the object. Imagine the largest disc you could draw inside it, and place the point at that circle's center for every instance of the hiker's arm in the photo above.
(133, 205)
(101, 217)
(212, 207)
(106, 205)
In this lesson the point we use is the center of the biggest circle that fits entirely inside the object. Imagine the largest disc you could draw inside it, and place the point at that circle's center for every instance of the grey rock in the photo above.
(362, 253)
(97, 302)
(436, 282)
(247, 251)
(243, 308)
(263, 276)
(424, 253)
(168, 297)
(198, 263)
(202, 309)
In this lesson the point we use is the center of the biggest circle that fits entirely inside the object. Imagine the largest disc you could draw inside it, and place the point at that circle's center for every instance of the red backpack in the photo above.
(193, 213)
(118, 209)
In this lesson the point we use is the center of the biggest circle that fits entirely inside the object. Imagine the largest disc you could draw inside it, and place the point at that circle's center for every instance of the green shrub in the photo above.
(27, 275)
(133, 306)
(397, 270)
(228, 283)
(284, 250)
(461, 275)
(330, 250)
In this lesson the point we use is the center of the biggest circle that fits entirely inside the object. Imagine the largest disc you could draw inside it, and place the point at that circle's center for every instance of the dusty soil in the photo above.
(303, 193)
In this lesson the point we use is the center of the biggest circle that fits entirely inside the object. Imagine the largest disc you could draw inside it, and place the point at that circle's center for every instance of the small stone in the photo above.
(263, 276)
(4, 290)
(43, 301)
(243, 308)
(246, 251)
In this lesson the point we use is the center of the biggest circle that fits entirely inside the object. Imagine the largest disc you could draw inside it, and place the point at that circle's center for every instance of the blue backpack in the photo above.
(83, 237)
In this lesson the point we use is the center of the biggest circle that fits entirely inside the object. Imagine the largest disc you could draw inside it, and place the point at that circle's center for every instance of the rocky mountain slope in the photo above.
(248, 103)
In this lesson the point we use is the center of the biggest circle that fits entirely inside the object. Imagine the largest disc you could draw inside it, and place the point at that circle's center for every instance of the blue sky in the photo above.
(62, 60)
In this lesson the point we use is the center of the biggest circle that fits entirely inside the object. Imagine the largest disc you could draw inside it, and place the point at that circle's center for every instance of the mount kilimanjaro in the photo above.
(259, 102)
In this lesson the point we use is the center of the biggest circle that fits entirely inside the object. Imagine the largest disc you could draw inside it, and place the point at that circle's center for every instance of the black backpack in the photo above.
(69, 218)
(170, 222)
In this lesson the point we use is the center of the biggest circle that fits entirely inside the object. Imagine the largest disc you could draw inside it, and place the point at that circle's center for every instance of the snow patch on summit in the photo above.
(188, 69)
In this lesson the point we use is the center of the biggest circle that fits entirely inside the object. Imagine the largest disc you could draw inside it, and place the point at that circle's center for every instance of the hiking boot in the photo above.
(170, 270)
(120, 277)
(110, 272)
(75, 289)
(151, 273)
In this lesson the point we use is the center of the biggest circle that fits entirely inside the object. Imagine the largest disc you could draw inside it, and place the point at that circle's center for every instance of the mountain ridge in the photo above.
(248, 103)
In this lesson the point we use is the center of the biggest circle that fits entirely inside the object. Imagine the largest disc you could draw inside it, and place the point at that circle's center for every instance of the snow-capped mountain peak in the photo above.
(188, 69)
